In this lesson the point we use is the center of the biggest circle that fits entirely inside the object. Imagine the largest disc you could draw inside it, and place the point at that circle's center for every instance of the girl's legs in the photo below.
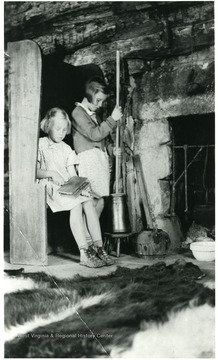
(87, 257)
(92, 221)
(77, 227)
(99, 205)
(95, 231)
(88, 237)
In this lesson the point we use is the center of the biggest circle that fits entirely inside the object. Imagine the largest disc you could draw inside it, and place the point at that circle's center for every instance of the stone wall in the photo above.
(85, 32)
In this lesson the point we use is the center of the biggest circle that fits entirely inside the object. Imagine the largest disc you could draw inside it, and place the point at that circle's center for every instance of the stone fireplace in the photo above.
(193, 165)
(164, 108)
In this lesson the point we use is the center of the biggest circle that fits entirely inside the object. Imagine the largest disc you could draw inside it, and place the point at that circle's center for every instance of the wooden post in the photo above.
(28, 225)
(117, 168)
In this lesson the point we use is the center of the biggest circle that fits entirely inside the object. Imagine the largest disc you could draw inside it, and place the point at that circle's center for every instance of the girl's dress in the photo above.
(89, 137)
(58, 157)
(95, 166)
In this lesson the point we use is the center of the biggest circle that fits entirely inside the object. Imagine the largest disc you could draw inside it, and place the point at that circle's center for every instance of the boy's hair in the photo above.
(93, 86)
(45, 123)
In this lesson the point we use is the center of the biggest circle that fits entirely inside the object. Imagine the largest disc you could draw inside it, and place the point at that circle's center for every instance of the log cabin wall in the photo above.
(168, 68)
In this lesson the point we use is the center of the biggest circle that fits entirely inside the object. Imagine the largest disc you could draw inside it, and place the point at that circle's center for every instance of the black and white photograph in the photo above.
(109, 179)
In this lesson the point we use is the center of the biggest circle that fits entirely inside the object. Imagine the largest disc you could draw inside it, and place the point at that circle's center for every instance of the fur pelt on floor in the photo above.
(156, 311)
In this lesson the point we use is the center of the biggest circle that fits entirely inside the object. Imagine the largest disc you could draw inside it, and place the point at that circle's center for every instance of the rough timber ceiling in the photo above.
(152, 29)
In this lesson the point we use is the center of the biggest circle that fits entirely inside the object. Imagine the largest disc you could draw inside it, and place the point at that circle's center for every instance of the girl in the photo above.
(90, 136)
(56, 165)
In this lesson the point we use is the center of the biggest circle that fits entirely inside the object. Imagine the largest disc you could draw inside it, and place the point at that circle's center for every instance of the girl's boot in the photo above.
(101, 253)
(89, 258)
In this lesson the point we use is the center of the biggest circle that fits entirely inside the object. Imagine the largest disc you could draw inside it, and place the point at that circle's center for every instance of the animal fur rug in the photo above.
(156, 311)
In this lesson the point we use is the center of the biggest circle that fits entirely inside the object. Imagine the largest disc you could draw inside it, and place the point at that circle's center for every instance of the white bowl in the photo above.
(204, 238)
(203, 250)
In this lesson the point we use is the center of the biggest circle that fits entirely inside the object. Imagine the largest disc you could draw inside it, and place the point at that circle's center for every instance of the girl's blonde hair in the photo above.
(46, 122)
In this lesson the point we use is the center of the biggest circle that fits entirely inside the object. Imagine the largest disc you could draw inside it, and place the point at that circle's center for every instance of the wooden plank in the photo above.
(143, 190)
(28, 228)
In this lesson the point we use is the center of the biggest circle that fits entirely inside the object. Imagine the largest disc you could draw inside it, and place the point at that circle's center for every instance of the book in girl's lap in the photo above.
(56, 165)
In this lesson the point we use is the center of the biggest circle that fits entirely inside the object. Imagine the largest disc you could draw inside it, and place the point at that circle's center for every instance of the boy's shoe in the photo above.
(89, 258)
(104, 256)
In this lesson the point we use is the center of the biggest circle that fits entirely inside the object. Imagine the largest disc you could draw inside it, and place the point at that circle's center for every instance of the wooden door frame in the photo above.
(27, 198)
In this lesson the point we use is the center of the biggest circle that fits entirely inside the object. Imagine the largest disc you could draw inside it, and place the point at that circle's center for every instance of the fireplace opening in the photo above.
(193, 169)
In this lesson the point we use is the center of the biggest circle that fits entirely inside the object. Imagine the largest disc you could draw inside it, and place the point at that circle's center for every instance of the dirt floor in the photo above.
(65, 265)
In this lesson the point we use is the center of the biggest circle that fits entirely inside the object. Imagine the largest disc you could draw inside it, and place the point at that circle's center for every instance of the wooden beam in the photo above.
(28, 230)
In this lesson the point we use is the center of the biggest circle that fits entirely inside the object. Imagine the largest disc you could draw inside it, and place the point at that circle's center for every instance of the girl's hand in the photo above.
(117, 152)
(86, 193)
(57, 178)
(117, 113)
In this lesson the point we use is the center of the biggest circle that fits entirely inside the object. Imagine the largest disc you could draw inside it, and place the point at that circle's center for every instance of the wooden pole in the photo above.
(117, 168)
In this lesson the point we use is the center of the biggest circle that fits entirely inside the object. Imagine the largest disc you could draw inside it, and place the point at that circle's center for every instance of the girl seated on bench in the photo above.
(56, 165)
